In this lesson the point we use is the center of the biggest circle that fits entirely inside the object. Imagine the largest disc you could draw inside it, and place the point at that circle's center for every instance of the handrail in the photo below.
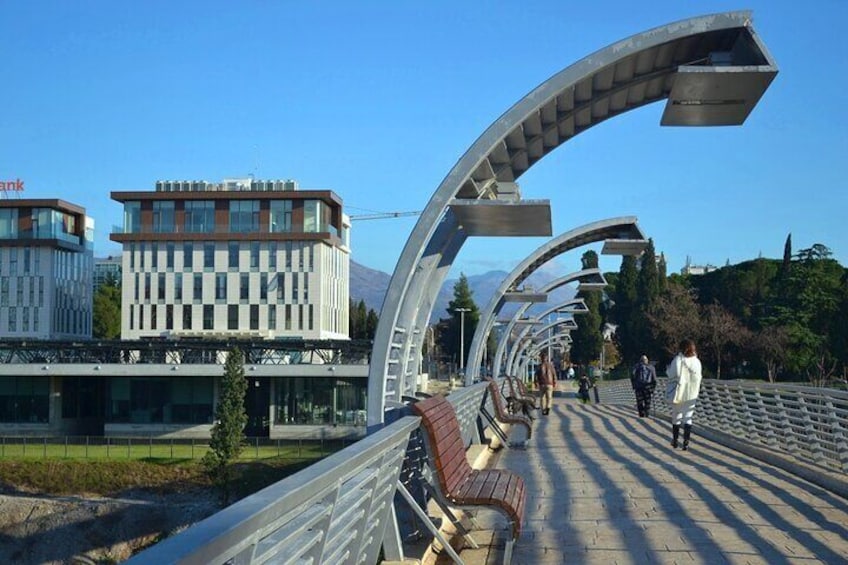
(332, 512)
(809, 423)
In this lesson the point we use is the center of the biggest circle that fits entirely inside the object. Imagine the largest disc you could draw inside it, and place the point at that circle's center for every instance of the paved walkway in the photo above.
(605, 486)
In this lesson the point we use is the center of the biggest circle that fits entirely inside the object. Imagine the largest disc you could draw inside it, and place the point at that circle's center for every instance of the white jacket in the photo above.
(687, 372)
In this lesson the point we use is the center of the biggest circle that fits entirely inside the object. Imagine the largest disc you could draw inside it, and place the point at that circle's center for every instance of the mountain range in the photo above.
(370, 285)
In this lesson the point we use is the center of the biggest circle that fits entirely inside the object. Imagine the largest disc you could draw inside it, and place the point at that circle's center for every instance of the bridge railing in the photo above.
(809, 423)
(338, 510)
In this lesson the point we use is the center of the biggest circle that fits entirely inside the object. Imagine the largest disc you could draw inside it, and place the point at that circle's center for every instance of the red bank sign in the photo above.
(16, 185)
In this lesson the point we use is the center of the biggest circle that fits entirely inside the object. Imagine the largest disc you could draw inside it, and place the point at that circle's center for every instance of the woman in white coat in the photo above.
(685, 370)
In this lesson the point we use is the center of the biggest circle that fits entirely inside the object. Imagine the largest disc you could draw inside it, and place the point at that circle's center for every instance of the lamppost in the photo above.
(462, 312)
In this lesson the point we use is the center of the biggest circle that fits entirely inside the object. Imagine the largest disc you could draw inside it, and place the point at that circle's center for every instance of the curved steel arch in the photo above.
(579, 276)
(613, 228)
(624, 76)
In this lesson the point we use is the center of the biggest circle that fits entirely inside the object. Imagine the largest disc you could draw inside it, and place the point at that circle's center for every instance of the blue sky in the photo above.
(377, 101)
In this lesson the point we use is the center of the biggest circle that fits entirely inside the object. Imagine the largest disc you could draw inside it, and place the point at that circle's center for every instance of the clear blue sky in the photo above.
(377, 101)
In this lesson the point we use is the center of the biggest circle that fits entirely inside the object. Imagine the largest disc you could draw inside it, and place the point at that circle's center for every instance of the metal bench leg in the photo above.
(493, 424)
(508, 552)
(457, 523)
(428, 524)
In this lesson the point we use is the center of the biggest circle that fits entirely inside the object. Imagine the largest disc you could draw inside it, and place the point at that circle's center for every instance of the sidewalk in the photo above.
(605, 486)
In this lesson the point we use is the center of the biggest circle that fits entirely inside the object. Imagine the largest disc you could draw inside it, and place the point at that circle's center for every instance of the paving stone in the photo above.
(604, 487)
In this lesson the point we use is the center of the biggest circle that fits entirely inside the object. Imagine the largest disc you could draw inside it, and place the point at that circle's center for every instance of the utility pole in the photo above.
(462, 312)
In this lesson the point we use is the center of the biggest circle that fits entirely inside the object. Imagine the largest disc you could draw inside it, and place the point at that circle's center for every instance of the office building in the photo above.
(46, 263)
(107, 268)
(242, 258)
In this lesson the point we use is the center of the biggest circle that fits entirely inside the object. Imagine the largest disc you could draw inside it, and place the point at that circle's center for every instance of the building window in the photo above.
(161, 286)
(272, 256)
(288, 251)
(178, 287)
(4, 291)
(132, 217)
(320, 400)
(147, 286)
(199, 216)
(315, 216)
(232, 317)
(132, 256)
(169, 255)
(209, 256)
(163, 216)
(263, 287)
(188, 256)
(154, 256)
(254, 316)
(233, 255)
(281, 216)
(169, 317)
(141, 252)
(132, 317)
(186, 316)
(272, 317)
(254, 255)
(311, 318)
(24, 399)
(221, 286)
(244, 216)
(153, 321)
(295, 291)
(197, 291)
(281, 287)
(306, 288)
(141, 316)
(244, 287)
(288, 320)
(208, 317)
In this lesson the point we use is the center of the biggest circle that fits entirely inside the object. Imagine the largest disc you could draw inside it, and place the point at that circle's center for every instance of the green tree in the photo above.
(624, 311)
(106, 310)
(449, 339)
(371, 321)
(647, 292)
(228, 437)
(587, 338)
(674, 316)
(358, 317)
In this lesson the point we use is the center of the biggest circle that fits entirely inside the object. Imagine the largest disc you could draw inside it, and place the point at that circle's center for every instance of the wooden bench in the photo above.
(503, 416)
(460, 485)
(519, 398)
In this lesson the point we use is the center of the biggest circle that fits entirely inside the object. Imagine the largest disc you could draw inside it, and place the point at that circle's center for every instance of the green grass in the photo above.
(135, 449)
(111, 477)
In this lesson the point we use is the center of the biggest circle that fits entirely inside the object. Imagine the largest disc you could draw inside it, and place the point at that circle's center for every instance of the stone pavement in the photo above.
(605, 487)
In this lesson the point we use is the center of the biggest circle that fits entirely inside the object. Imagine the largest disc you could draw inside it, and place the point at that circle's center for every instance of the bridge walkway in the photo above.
(606, 487)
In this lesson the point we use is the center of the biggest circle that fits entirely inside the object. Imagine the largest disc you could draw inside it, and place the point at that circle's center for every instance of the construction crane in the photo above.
(383, 215)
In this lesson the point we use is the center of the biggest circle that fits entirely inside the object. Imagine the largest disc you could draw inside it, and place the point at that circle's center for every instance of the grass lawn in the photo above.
(140, 448)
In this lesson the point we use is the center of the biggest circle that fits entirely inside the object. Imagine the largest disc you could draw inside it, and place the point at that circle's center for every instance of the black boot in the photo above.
(675, 433)
(687, 429)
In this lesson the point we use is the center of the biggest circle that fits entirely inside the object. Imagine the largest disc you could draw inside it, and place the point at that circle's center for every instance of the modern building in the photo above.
(242, 258)
(46, 264)
(106, 268)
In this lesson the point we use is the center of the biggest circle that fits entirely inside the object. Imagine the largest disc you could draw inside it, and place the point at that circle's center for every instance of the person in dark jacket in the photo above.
(643, 378)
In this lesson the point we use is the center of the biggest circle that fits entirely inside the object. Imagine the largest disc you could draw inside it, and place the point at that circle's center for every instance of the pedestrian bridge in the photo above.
(765, 481)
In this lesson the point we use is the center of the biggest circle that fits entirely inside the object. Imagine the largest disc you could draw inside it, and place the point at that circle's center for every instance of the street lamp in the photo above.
(462, 312)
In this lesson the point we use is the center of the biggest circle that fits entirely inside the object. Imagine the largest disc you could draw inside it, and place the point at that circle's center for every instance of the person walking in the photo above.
(546, 379)
(643, 379)
(684, 376)
(583, 386)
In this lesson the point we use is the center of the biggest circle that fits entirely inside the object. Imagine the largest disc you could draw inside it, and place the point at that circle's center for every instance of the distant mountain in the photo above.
(371, 285)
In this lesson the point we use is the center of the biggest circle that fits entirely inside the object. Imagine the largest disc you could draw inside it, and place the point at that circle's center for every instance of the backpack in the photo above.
(643, 375)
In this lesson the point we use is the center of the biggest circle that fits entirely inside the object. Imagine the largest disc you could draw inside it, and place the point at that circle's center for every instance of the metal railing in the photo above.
(809, 423)
(339, 510)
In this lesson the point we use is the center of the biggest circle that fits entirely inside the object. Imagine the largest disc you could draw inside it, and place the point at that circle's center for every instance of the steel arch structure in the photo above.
(624, 228)
(511, 353)
(674, 61)
(585, 275)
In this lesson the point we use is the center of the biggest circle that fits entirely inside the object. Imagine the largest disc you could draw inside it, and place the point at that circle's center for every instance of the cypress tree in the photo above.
(588, 339)
(228, 438)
